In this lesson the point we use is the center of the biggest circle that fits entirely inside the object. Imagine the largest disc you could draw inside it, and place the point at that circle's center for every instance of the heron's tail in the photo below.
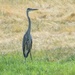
(25, 55)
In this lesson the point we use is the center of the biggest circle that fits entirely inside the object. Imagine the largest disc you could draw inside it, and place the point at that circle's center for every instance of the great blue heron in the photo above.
(27, 39)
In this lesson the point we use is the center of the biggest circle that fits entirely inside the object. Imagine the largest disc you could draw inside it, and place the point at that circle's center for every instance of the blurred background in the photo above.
(53, 25)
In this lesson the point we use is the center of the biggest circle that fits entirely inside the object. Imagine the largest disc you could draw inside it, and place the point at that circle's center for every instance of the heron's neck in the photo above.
(29, 27)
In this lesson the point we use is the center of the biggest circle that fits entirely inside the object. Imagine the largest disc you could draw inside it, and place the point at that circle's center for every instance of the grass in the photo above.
(15, 64)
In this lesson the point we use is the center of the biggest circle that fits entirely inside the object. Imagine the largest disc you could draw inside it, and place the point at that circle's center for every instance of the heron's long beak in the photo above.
(34, 9)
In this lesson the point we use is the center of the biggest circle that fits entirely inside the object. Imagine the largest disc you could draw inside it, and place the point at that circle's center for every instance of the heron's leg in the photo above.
(30, 55)
(25, 60)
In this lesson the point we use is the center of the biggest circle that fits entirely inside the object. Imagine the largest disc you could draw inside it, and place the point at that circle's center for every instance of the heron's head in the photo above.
(31, 9)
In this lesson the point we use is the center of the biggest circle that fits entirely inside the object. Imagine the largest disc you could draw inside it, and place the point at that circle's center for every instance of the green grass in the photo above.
(15, 64)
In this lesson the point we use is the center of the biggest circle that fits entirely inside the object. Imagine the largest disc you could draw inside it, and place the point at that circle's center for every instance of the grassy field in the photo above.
(53, 32)
(14, 64)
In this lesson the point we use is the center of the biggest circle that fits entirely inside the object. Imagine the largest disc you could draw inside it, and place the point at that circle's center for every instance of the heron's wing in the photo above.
(31, 44)
(23, 45)
(27, 45)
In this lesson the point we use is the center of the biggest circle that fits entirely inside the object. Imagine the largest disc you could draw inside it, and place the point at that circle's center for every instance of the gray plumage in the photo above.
(27, 39)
